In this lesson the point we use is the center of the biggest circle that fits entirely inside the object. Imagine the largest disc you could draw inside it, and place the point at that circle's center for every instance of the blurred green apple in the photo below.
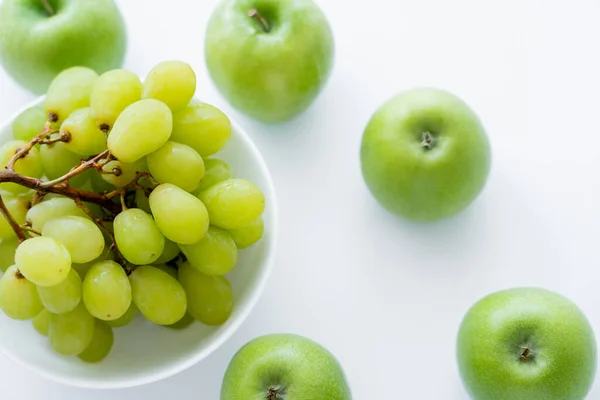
(40, 38)
(284, 367)
(269, 58)
(425, 155)
(526, 344)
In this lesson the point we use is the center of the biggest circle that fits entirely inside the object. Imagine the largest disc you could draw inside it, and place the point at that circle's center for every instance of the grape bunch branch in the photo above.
(60, 186)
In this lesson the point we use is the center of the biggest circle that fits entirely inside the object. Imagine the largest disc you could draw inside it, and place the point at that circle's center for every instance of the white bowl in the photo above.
(144, 352)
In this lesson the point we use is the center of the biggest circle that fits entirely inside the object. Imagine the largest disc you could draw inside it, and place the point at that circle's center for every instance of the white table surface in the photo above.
(384, 296)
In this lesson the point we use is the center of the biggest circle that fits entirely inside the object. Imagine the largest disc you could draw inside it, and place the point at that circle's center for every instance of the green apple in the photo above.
(40, 38)
(425, 155)
(269, 58)
(284, 367)
(526, 344)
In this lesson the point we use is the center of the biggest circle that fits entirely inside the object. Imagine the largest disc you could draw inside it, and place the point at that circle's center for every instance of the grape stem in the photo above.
(37, 198)
(95, 162)
(22, 152)
(11, 221)
(123, 201)
(62, 137)
(61, 186)
(134, 184)
(29, 229)
(62, 189)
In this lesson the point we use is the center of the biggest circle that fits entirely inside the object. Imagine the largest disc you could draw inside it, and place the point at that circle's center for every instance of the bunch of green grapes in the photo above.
(82, 269)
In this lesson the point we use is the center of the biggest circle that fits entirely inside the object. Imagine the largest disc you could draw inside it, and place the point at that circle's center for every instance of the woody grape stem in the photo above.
(11, 221)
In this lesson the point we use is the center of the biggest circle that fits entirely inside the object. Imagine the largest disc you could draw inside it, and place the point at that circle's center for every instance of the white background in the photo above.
(385, 296)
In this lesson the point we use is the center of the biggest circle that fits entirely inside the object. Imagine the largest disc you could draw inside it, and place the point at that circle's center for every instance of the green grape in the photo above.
(26, 196)
(109, 225)
(126, 318)
(85, 138)
(106, 291)
(63, 297)
(57, 161)
(99, 184)
(170, 251)
(82, 269)
(112, 93)
(210, 298)
(178, 164)
(180, 216)
(141, 201)
(43, 260)
(82, 237)
(29, 124)
(50, 196)
(101, 344)
(8, 248)
(215, 254)
(55, 207)
(246, 236)
(69, 91)
(138, 238)
(30, 165)
(233, 203)
(71, 333)
(141, 129)
(172, 82)
(94, 208)
(121, 174)
(216, 171)
(183, 323)
(18, 296)
(18, 207)
(41, 322)
(83, 181)
(159, 297)
(169, 269)
(203, 127)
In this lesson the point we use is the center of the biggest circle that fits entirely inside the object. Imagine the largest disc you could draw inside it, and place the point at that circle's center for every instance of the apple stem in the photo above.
(48, 8)
(264, 24)
(428, 141)
(273, 394)
(526, 354)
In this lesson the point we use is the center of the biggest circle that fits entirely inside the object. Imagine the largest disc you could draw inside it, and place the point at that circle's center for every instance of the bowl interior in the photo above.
(144, 352)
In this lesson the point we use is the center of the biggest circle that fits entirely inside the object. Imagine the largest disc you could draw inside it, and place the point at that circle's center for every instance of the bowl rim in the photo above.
(214, 343)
